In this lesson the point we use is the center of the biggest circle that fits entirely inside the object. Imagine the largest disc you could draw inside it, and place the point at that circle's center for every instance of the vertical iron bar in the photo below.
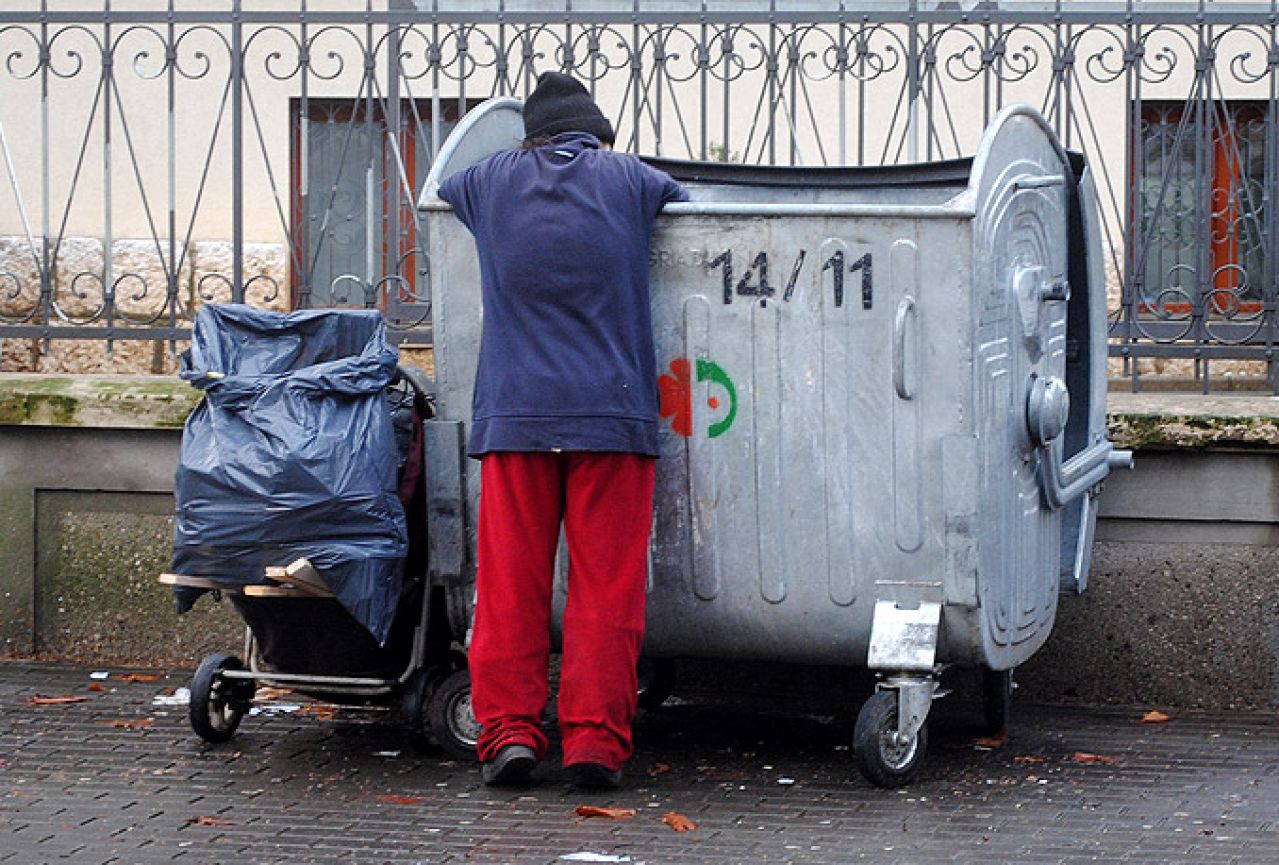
(637, 78)
(727, 42)
(794, 69)
(1133, 279)
(237, 154)
(926, 69)
(703, 67)
(1205, 115)
(108, 240)
(771, 67)
(912, 73)
(46, 262)
(171, 59)
(372, 217)
(1068, 97)
(1270, 177)
(393, 241)
(302, 231)
(841, 61)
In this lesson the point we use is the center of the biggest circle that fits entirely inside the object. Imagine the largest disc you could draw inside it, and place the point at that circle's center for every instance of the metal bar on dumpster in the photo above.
(445, 501)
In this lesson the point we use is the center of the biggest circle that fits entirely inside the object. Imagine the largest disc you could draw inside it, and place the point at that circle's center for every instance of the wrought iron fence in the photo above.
(163, 156)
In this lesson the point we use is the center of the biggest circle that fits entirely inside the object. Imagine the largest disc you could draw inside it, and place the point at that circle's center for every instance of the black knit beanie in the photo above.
(561, 104)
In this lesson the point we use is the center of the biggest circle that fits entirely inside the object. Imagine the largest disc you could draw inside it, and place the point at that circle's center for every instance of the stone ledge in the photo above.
(1189, 420)
(95, 401)
(1141, 420)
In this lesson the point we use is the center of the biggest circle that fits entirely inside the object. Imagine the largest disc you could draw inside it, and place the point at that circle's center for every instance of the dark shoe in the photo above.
(594, 776)
(513, 765)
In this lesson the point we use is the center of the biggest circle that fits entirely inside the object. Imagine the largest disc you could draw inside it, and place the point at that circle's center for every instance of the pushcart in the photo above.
(299, 635)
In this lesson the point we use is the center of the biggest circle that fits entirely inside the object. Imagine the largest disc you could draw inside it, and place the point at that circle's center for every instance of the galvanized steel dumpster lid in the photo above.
(918, 190)
(950, 173)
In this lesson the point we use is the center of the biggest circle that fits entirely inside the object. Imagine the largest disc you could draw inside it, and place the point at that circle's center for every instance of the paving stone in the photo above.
(75, 786)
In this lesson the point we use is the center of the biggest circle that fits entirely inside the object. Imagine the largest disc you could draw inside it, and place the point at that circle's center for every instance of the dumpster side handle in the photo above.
(904, 325)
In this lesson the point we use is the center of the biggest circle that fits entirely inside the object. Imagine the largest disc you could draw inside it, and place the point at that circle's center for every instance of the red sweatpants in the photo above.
(605, 502)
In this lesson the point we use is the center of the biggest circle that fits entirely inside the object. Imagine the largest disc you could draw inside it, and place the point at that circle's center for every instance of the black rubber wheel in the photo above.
(656, 681)
(997, 697)
(217, 703)
(452, 723)
(415, 700)
(884, 761)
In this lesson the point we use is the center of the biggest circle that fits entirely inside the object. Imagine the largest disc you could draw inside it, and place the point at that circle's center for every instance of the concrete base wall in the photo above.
(1182, 608)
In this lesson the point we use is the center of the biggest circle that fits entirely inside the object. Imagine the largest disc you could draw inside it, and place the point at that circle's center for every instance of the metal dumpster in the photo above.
(883, 393)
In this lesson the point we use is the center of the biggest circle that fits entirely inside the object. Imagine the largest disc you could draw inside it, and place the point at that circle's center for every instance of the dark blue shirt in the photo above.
(567, 360)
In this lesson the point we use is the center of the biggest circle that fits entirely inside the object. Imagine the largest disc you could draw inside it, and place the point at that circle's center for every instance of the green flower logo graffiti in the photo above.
(675, 390)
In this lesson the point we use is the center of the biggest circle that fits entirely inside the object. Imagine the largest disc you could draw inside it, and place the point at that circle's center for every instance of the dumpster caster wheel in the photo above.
(418, 692)
(997, 696)
(452, 722)
(218, 703)
(656, 681)
(884, 760)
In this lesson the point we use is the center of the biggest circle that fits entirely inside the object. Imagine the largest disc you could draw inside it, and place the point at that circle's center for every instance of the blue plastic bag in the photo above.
(291, 454)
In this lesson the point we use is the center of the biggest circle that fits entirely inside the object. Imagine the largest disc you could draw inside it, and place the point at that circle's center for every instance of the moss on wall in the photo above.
(111, 402)
(98, 598)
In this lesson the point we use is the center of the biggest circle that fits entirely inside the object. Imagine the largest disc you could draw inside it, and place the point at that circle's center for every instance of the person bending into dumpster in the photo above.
(564, 421)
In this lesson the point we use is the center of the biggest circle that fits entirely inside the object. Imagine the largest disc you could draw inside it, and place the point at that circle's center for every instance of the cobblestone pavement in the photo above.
(117, 779)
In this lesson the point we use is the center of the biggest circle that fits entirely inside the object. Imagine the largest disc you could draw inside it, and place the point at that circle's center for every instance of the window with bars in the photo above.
(356, 238)
(1198, 239)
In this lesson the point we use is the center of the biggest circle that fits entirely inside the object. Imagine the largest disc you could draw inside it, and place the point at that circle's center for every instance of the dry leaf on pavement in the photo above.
(401, 800)
(989, 743)
(138, 677)
(322, 712)
(1154, 716)
(54, 701)
(211, 821)
(1085, 757)
(133, 724)
(610, 813)
(678, 822)
(94, 686)
(659, 769)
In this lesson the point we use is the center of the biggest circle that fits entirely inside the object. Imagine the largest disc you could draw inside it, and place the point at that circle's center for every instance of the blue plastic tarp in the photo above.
(291, 454)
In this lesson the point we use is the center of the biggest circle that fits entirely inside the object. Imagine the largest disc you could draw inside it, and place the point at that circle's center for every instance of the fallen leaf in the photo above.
(610, 813)
(1085, 757)
(272, 693)
(210, 821)
(138, 677)
(1154, 716)
(659, 769)
(54, 701)
(325, 713)
(1030, 759)
(401, 800)
(678, 822)
(94, 686)
(136, 723)
(990, 743)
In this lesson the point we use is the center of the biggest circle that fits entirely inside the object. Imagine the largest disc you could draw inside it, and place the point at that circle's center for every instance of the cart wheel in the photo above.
(656, 681)
(417, 697)
(884, 761)
(452, 722)
(218, 704)
(997, 694)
